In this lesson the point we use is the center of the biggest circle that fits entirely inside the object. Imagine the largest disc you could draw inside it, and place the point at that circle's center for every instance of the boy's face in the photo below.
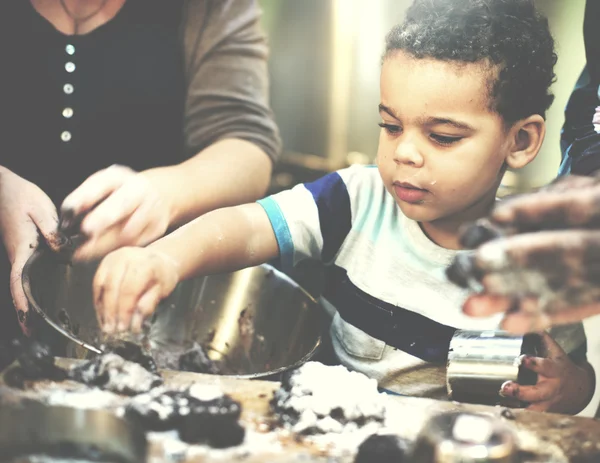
(441, 150)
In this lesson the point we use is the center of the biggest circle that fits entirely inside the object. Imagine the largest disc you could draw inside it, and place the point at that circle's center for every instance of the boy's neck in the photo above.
(445, 232)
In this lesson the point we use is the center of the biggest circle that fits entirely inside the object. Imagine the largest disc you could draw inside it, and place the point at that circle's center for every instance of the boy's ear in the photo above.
(527, 136)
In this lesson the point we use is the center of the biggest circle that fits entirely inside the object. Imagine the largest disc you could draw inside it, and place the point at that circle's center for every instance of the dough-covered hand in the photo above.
(537, 258)
(26, 212)
(120, 207)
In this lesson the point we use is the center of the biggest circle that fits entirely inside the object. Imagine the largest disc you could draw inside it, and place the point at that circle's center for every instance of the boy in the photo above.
(464, 89)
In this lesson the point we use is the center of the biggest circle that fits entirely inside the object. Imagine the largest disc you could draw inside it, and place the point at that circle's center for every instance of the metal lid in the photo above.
(459, 437)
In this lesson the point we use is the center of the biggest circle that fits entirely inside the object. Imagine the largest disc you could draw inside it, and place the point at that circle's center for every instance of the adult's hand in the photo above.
(120, 207)
(538, 257)
(25, 213)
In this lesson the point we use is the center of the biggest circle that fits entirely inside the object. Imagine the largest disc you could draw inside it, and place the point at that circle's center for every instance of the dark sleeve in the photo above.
(591, 38)
(580, 144)
(227, 77)
(572, 339)
(579, 355)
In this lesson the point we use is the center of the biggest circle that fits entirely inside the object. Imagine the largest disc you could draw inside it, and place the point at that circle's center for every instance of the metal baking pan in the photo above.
(30, 428)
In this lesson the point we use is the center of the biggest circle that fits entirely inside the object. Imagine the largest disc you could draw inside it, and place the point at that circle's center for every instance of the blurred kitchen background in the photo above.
(325, 62)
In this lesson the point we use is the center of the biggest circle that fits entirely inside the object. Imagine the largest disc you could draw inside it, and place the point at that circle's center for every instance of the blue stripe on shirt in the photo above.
(335, 215)
(282, 231)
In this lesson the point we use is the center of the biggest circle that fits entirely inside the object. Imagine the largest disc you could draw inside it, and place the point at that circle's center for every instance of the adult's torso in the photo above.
(71, 105)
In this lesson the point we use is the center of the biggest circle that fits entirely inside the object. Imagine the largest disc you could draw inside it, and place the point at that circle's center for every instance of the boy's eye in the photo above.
(391, 129)
(444, 139)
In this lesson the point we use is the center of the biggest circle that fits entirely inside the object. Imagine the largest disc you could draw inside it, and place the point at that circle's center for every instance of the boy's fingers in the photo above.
(108, 289)
(542, 366)
(145, 307)
(136, 281)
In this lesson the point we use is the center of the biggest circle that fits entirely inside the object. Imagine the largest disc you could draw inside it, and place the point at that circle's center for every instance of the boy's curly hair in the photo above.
(510, 34)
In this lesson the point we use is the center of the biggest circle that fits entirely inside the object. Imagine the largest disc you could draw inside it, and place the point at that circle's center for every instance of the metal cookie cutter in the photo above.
(479, 362)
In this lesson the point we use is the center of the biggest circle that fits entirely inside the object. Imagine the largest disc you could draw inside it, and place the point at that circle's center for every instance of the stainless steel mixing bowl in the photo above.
(257, 321)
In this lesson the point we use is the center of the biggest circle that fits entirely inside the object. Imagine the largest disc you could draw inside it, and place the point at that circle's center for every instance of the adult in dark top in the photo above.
(175, 90)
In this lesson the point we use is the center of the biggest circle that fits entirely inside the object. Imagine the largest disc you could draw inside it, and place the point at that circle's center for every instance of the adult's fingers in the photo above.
(149, 222)
(574, 202)
(118, 236)
(96, 247)
(526, 322)
(528, 317)
(94, 189)
(117, 207)
(486, 305)
(45, 218)
(20, 301)
(561, 263)
(544, 250)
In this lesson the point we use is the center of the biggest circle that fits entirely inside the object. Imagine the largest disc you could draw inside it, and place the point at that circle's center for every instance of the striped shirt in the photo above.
(392, 308)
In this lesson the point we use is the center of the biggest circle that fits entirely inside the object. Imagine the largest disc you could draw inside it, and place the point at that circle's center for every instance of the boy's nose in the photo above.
(407, 153)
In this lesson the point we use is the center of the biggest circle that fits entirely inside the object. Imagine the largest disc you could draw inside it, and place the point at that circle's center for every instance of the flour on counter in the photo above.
(319, 399)
(174, 450)
(84, 399)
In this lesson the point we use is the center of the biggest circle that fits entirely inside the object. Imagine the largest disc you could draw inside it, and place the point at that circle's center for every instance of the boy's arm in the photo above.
(131, 281)
(221, 241)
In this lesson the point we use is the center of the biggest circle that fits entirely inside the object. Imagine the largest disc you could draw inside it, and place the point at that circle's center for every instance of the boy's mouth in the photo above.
(409, 193)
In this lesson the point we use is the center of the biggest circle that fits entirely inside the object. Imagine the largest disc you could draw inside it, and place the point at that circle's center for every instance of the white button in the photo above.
(70, 49)
(68, 89)
(68, 113)
(70, 67)
(65, 136)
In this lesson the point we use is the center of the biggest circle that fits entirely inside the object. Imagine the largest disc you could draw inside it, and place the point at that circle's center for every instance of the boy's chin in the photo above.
(420, 212)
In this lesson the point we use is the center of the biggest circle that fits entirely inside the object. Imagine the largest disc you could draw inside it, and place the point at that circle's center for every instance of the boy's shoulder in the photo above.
(354, 183)
(359, 172)
(361, 180)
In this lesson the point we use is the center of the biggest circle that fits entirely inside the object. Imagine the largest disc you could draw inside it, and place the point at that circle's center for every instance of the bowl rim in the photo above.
(42, 251)
(26, 283)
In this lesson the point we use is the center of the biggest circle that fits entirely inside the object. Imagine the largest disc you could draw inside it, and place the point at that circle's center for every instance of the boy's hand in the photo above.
(562, 386)
(129, 284)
